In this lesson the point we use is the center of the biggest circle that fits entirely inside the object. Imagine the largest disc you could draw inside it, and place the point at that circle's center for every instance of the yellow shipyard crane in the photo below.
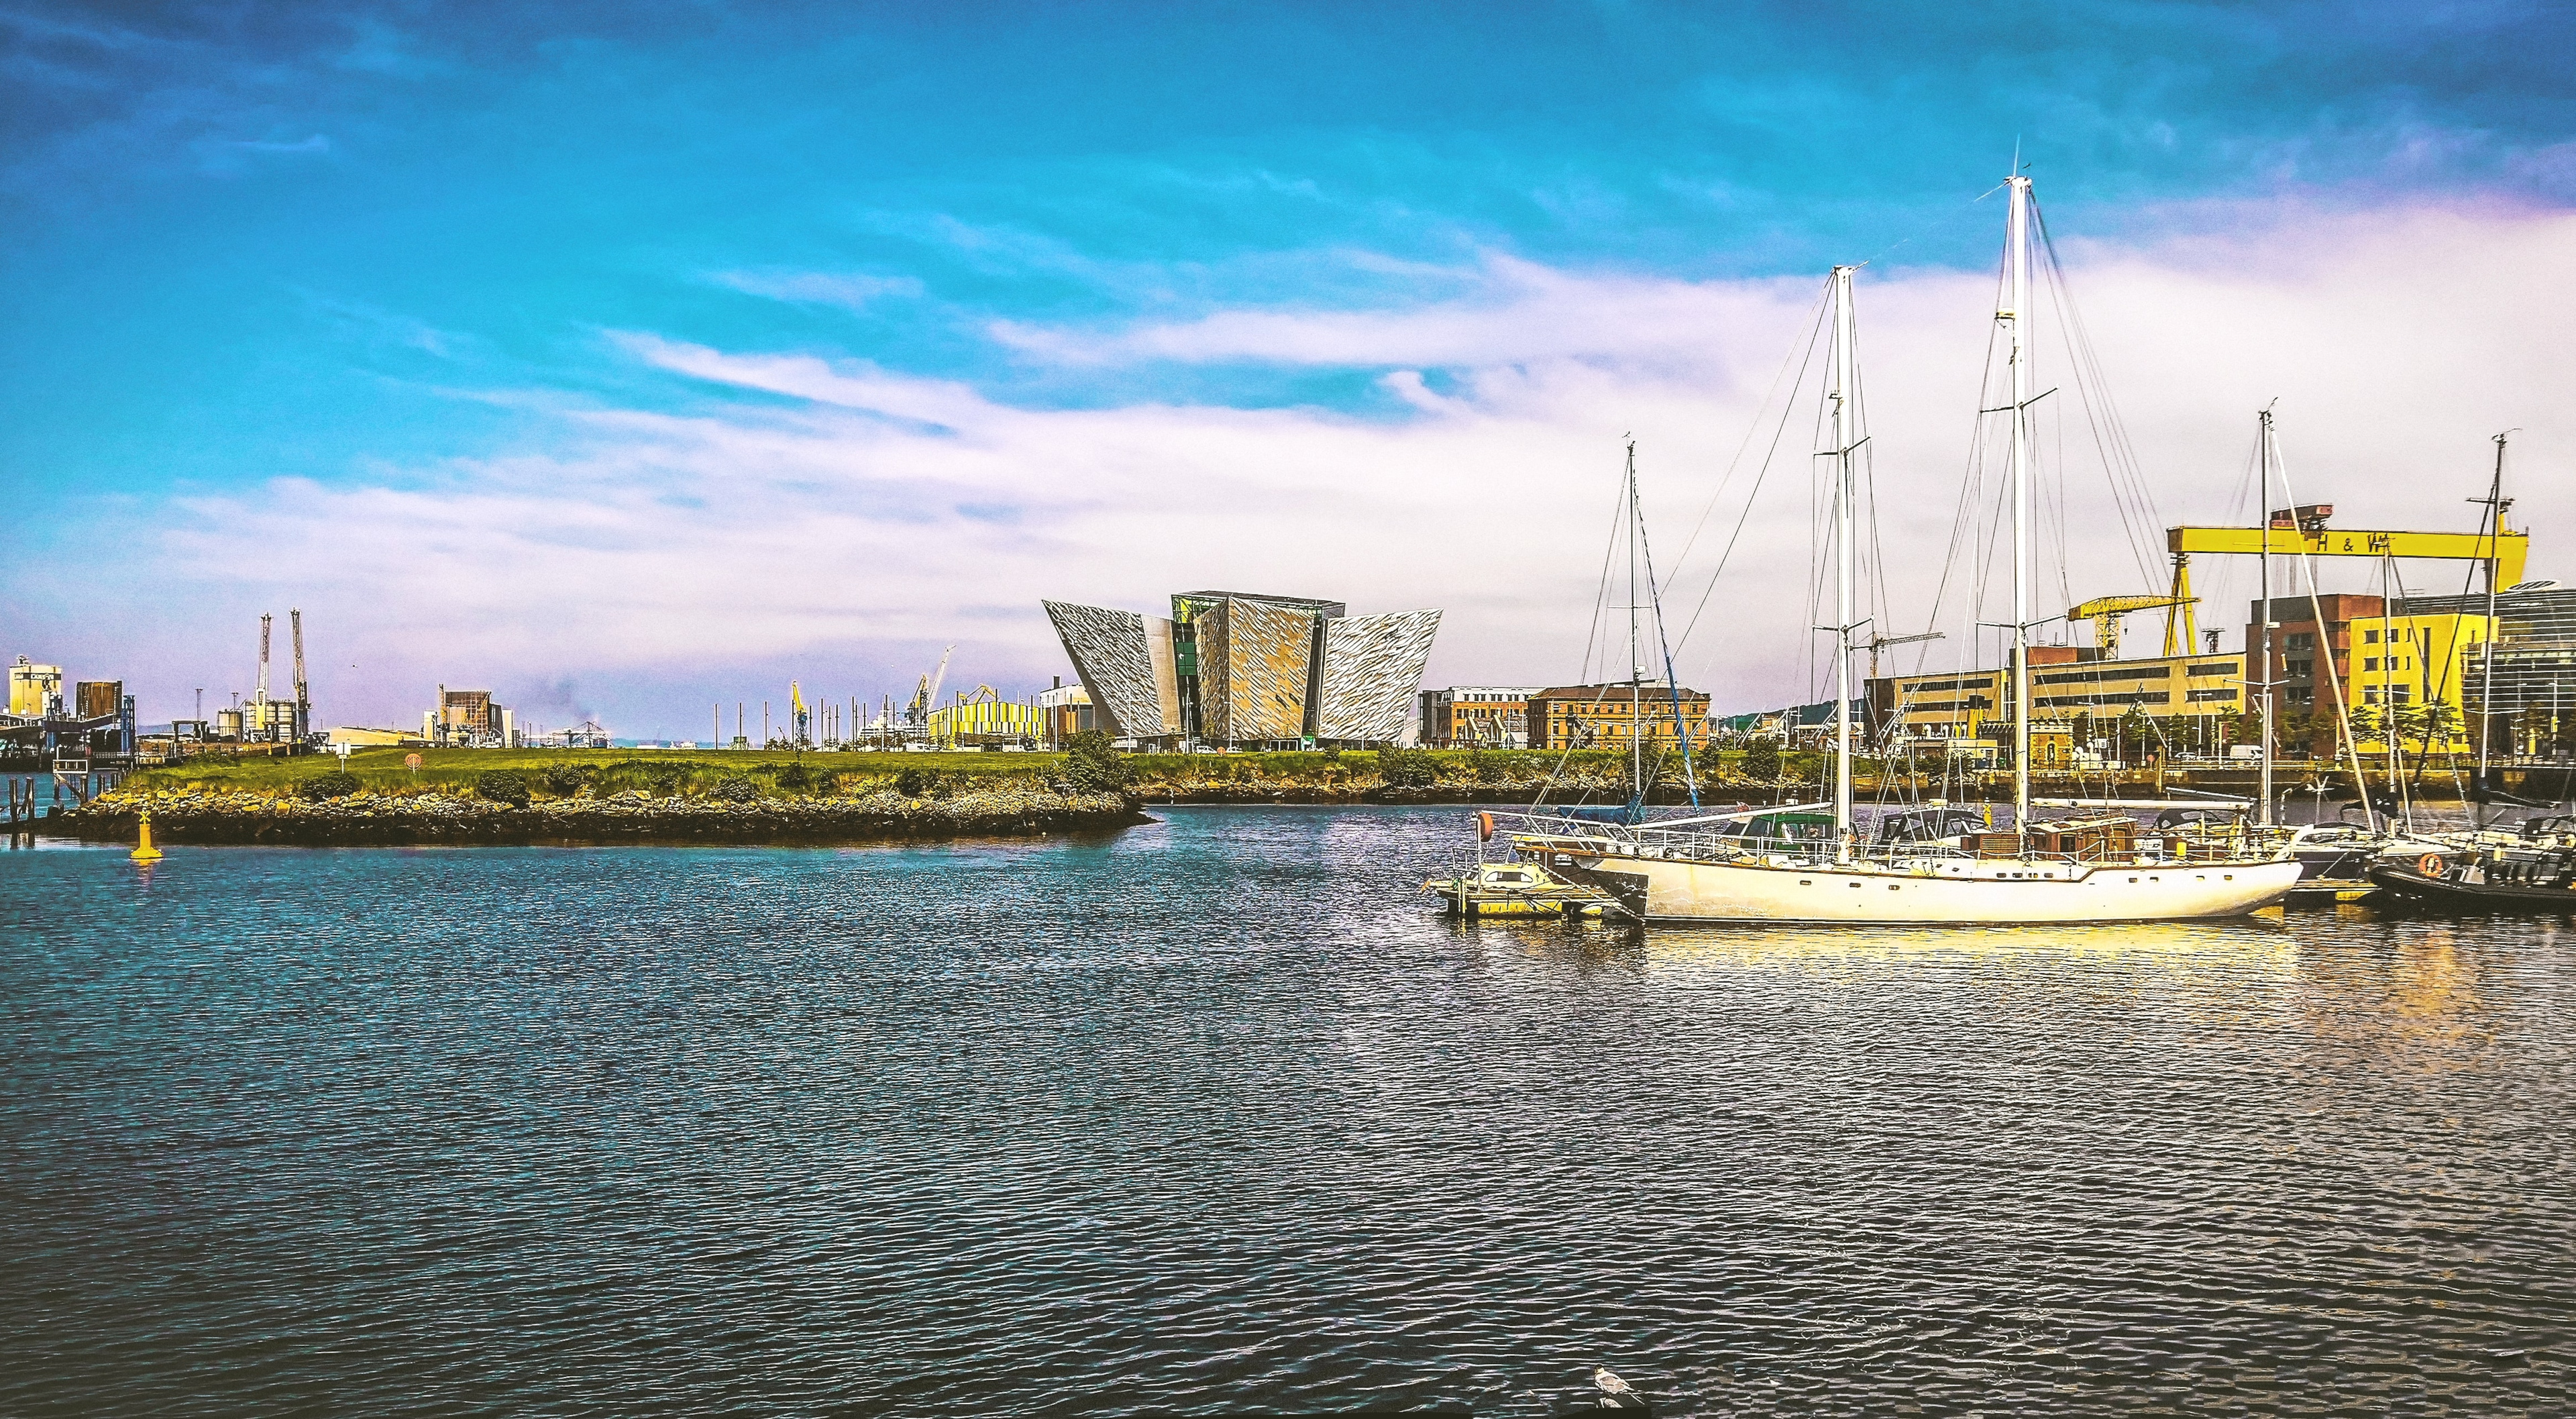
(796, 710)
(2302, 530)
(2105, 613)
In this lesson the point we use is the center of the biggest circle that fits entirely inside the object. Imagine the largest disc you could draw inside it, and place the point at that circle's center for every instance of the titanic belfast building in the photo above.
(1228, 669)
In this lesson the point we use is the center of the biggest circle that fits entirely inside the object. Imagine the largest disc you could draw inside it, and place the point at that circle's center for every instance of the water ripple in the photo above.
(1211, 1116)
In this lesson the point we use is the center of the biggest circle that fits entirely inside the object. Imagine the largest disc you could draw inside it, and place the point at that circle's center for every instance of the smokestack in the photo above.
(262, 696)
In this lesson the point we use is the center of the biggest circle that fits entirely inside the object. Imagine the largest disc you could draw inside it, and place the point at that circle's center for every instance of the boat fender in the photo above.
(1484, 827)
(2431, 864)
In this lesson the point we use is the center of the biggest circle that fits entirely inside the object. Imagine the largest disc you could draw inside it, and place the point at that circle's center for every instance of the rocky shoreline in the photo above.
(437, 818)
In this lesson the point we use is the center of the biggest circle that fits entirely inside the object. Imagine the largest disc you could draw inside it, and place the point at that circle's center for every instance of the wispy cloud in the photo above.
(1518, 311)
(851, 290)
(852, 519)
(316, 143)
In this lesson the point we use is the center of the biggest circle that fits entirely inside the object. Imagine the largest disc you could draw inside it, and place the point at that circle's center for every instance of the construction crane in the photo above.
(2105, 613)
(926, 696)
(796, 709)
(2303, 529)
(303, 699)
(1879, 643)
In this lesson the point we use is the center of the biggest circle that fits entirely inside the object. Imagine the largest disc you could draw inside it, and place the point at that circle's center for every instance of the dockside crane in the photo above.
(2105, 613)
(303, 698)
(926, 697)
(796, 709)
(1879, 643)
(2303, 529)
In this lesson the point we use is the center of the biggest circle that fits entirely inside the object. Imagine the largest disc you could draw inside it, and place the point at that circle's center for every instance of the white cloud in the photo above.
(819, 287)
(849, 534)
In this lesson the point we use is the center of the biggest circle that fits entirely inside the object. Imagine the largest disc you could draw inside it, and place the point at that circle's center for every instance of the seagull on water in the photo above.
(1616, 1393)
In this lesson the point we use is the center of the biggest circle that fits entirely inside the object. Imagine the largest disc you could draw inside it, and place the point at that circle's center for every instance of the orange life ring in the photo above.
(2431, 864)
(1484, 827)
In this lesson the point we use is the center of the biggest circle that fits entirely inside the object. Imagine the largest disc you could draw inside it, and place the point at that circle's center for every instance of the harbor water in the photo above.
(1217, 1116)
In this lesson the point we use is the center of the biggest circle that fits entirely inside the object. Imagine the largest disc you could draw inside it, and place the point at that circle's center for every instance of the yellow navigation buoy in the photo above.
(144, 851)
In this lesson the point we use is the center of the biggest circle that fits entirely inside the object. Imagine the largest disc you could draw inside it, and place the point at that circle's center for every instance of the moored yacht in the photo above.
(1714, 868)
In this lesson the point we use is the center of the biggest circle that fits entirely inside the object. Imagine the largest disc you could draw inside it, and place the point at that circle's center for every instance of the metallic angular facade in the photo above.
(1125, 661)
(1239, 669)
(1372, 666)
(1254, 661)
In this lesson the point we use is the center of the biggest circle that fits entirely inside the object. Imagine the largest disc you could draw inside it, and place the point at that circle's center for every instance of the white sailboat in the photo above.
(1733, 868)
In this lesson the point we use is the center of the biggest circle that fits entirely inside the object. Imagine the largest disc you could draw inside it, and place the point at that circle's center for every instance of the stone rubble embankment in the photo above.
(629, 817)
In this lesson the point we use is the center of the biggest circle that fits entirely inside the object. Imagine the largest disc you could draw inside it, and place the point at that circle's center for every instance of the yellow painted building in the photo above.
(2378, 658)
(986, 718)
(33, 688)
(1959, 705)
(2413, 661)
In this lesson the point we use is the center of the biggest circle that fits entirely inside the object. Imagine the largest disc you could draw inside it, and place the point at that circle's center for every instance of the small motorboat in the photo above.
(1515, 889)
(2538, 877)
(2334, 863)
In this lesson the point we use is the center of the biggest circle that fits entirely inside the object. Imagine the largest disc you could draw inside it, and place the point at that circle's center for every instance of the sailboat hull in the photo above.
(1941, 894)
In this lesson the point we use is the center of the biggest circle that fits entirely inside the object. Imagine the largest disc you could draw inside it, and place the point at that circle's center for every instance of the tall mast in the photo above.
(1844, 396)
(2486, 679)
(1636, 665)
(2263, 609)
(2017, 261)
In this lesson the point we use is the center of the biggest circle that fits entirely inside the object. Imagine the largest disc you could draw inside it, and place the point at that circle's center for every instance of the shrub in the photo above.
(664, 778)
(912, 783)
(1762, 760)
(338, 783)
(1406, 768)
(1091, 766)
(734, 788)
(502, 786)
(567, 779)
(795, 776)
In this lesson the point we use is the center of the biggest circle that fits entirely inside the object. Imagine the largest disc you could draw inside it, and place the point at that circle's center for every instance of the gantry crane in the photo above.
(2303, 530)
(2105, 613)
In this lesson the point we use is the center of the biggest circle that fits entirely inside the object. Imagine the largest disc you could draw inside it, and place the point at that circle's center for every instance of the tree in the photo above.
(2364, 719)
(2136, 734)
(1762, 760)
(338, 783)
(1091, 766)
(502, 786)
(2404, 722)
(2439, 723)
(2291, 730)
(1406, 768)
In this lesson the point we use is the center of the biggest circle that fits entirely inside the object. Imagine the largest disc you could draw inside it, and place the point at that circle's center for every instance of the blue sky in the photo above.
(461, 272)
